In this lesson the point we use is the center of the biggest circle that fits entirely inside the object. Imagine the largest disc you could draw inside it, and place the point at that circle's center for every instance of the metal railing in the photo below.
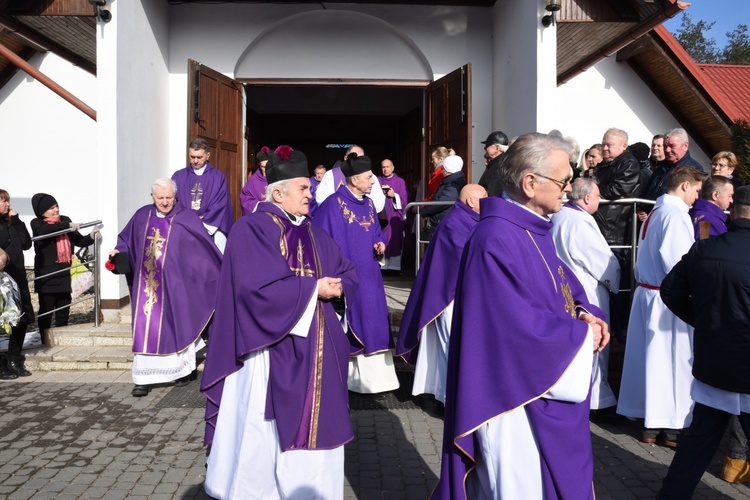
(634, 202)
(418, 225)
(96, 269)
(634, 225)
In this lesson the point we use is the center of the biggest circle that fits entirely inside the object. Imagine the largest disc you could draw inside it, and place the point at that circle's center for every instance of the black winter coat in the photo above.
(491, 178)
(449, 189)
(619, 178)
(710, 289)
(14, 239)
(45, 259)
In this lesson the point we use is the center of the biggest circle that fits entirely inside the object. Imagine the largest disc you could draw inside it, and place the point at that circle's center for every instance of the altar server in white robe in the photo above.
(656, 375)
(580, 244)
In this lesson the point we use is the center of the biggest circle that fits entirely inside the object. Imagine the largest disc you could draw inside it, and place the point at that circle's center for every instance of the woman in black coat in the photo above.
(53, 254)
(14, 239)
(453, 182)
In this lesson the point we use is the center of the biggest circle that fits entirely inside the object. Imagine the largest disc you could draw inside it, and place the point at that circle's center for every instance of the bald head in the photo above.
(471, 194)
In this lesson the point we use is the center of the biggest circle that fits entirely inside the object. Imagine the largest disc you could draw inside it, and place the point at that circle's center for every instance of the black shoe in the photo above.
(15, 365)
(182, 381)
(140, 391)
(5, 373)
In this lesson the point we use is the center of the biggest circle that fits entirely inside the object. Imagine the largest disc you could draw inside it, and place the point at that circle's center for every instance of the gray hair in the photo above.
(576, 150)
(165, 183)
(677, 132)
(581, 187)
(530, 154)
(618, 133)
(282, 186)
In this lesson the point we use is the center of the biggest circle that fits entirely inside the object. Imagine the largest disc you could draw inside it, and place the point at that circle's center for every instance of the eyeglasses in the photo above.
(562, 184)
(720, 165)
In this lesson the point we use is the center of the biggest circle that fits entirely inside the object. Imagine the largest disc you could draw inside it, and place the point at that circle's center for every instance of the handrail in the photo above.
(633, 235)
(624, 201)
(96, 270)
(418, 219)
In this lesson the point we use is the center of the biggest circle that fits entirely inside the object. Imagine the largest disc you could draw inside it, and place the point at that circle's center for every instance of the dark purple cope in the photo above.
(394, 232)
(175, 274)
(435, 285)
(514, 334)
(353, 224)
(268, 277)
(207, 195)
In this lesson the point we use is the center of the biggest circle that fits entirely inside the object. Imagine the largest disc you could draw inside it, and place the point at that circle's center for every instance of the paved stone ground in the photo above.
(81, 435)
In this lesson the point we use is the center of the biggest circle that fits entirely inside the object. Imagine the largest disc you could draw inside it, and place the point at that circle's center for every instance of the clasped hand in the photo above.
(600, 329)
(330, 288)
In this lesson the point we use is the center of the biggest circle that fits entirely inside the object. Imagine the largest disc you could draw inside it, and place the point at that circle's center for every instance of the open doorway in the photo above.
(322, 120)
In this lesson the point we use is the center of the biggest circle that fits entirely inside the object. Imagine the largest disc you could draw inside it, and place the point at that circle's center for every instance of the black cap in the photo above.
(496, 137)
(282, 166)
(355, 164)
(41, 202)
(742, 195)
(121, 263)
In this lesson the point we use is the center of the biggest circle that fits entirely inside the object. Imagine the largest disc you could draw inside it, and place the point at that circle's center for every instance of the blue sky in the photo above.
(726, 13)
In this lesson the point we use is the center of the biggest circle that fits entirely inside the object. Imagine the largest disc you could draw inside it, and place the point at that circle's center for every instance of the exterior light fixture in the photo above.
(551, 7)
(101, 13)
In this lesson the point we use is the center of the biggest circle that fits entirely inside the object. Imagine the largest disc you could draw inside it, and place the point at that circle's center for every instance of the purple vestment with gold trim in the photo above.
(269, 274)
(175, 273)
(207, 195)
(253, 192)
(435, 285)
(394, 231)
(514, 334)
(354, 226)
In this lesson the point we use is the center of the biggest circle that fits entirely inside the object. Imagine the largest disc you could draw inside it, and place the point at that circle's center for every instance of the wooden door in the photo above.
(448, 119)
(215, 114)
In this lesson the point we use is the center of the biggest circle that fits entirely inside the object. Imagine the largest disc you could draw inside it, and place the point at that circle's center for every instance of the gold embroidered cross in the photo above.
(304, 269)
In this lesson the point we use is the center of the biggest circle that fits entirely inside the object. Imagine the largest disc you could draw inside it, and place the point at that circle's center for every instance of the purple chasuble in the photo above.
(435, 285)
(313, 204)
(354, 225)
(268, 276)
(253, 192)
(395, 230)
(207, 195)
(175, 267)
(703, 211)
(514, 334)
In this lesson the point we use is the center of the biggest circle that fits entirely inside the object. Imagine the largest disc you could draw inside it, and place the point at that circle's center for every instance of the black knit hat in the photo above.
(41, 202)
(640, 150)
(742, 196)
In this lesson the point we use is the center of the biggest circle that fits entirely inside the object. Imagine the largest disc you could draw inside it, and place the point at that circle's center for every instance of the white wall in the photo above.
(133, 78)
(447, 36)
(49, 145)
(612, 95)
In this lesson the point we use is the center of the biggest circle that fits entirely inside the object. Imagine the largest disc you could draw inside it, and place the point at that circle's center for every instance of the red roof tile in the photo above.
(734, 82)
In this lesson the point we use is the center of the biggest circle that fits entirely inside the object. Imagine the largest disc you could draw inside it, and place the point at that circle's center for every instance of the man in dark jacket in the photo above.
(710, 289)
(676, 154)
(496, 144)
(618, 177)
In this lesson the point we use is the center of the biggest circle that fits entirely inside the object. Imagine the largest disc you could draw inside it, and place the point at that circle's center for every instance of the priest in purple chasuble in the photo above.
(175, 273)
(203, 189)
(522, 344)
(350, 218)
(426, 322)
(396, 200)
(318, 174)
(334, 178)
(254, 190)
(277, 407)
